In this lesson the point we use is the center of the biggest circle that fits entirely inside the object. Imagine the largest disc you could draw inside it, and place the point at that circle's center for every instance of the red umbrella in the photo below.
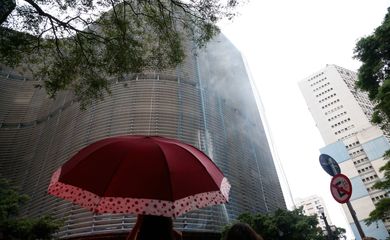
(140, 175)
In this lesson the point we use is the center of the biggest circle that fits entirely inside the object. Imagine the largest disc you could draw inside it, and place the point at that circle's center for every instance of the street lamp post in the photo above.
(329, 234)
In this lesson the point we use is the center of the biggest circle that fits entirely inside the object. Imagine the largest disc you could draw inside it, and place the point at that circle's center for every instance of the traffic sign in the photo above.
(329, 165)
(341, 188)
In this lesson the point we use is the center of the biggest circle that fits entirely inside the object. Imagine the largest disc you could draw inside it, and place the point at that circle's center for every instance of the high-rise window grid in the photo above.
(346, 123)
(37, 135)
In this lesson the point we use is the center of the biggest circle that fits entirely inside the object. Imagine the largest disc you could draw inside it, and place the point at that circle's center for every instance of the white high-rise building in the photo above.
(342, 114)
(314, 205)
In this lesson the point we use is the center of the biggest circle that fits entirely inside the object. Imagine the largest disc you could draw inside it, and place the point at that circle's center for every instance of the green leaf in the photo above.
(68, 43)
(373, 75)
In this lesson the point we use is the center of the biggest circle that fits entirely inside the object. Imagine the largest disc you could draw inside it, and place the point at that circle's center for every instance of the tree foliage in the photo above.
(373, 75)
(285, 224)
(14, 227)
(80, 44)
(338, 233)
(382, 207)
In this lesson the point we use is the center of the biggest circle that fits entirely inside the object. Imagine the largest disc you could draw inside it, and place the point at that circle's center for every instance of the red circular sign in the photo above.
(341, 188)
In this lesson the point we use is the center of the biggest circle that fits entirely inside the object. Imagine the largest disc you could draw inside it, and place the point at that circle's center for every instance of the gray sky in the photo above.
(284, 41)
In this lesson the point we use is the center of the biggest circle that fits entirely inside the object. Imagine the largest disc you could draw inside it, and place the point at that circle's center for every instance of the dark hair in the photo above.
(242, 231)
(156, 228)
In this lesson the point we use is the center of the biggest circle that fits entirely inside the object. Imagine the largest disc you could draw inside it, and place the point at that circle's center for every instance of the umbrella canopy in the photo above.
(140, 175)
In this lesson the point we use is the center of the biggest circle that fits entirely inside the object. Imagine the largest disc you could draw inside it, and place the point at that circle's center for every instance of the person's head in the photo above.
(155, 228)
(242, 231)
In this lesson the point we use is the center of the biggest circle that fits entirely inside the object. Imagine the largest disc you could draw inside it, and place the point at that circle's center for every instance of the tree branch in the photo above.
(53, 27)
(7, 6)
(65, 25)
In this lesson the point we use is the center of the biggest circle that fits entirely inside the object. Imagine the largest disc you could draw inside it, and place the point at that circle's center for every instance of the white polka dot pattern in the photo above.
(101, 204)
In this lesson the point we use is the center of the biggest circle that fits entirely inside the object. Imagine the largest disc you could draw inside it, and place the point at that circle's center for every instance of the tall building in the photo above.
(314, 205)
(207, 102)
(342, 115)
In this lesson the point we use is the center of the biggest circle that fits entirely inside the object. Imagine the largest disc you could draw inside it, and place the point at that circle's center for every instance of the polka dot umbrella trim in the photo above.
(140, 175)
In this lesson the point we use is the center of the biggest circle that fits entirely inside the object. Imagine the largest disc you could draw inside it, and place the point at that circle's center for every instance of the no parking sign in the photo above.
(341, 188)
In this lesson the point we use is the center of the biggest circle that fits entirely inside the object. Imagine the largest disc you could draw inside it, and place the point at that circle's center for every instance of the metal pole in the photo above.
(330, 234)
(356, 221)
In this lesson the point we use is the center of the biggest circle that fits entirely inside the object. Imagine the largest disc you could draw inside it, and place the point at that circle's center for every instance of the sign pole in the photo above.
(356, 221)
(340, 187)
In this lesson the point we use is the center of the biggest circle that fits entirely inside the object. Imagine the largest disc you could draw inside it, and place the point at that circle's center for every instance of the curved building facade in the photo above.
(207, 102)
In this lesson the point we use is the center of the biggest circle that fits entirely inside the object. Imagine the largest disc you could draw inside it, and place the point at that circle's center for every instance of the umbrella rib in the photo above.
(186, 147)
(201, 163)
(105, 144)
(190, 150)
(113, 174)
(169, 171)
(99, 197)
